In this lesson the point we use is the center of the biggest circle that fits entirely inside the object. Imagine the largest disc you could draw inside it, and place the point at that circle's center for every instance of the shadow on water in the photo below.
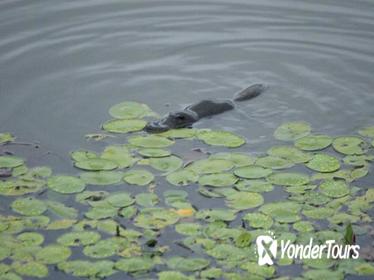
(63, 64)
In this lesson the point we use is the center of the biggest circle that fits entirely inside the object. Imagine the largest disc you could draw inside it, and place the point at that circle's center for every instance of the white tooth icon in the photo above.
(263, 255)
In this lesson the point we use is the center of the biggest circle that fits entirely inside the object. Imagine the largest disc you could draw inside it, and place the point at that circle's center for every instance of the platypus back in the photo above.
(250, 92)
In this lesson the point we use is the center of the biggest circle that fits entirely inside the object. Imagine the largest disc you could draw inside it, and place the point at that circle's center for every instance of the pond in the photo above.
(65, 64)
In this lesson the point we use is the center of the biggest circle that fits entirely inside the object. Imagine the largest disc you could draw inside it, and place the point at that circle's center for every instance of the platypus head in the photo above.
(172, 120)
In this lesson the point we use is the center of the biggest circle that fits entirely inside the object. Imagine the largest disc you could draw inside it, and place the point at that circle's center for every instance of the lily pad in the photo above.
(118, 154)
(187, 264)
(138, 177)
(53, 254)
(120, 199)
(220, 138)
(216, 215)
(252, 172)
(62, 210)
(102, 178)
(318, 213)
(179, 133)
(313, 142)
(79, 238)
(124, 126)
(258, 220)
(218, 180)
(172, 275)
(274, 162)
(166, 164)
(135, 264)
(32, 269)
(96, 164)
(303, 226)
(182, 177)
(206, 166)
(238, 159)
(6, 138)
(151, 141)
(227, 252)
(156, 218)
(288, 179)
(154, 152)
(10, 161)
(349, 145)
(188, 228)
(254, 186)
(290, 153)
(323, 163)
(283, 212)
(367, 131)
(66, 184)
(82, 155)
(244, 200)
(292, 130)
(102, 249)
(334, 188)
(146, 199)
(79, 268)
(30, 238)
(29, 206)
(130, 110)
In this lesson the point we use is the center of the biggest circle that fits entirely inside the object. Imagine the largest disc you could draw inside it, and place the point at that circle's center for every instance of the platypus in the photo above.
(202, 109)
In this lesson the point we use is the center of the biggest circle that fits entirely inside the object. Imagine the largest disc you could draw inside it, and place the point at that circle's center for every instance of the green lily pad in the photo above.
(188, 228)
(292, 131)
(30, 238)
(216, 215)
(6, 138)
(207, 166)
(349, 145)
(238, 159)
(101, 210)
(179, 133)
(10, 161)
(79, 238)
(283, 212)
(254, 268)
(32, 269)
(364, 269)
(289, 153)
(360, 160)
(334, 188)
(258, 220)
(218, 180)
(367, 131)
(274, 162)
(29, 206)
(211, 273)
(154, 153)
(130, 110)
(288, 179)
(323, 163)
(105, 269)
(166, 164)
(87, 196)
(187, 264)
(101, 178)
(254, 186)
(81, 155)
(118, 154)
(252, 172)
(53, 254)
(172, 275)
(156, 218)
(66, 184)
(313, 142)
(303, 226)
(135, 264)
(146, 199)
(120, 199)
(182, 177)
(62, 210)
(244, 200)
(40, 172)
(102, 249)
(138, 177)
(323, 274)
(318, 213)
(220, 138)
(227, 252)
(96, 164)
(124, 126)
(79, 268)
(151, 141)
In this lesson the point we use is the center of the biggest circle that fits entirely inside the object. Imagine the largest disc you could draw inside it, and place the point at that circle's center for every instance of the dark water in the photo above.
(64, 63)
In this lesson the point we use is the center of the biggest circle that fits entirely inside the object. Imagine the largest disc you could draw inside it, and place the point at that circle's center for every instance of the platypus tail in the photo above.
(250, 92)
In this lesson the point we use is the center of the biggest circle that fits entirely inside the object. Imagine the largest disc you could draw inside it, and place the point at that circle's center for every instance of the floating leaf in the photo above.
(367, 131)
(101, 210)
(96, 164)
(254, 268)
(313, 142)
(155, 218)
(30, 238)
(303, 226)
(288, 179)
(290, 153)
(130, 110)
(138, 177)
(334, 188)
(154, 153)
(62, 210)
(118, 154)
(172, 275)
(32, 269)
(364, 269)
(10, 161)
(206, 166)
(187, 264)
(120, 199)
(81, 155)
(124, 126)
(66, 184)
(252, 172)
(218, 180)
(258, 220)
(151, 141)
(216, 215)
(79, 268)
(323, 163)
(188, 228)
(360, 160)
(244, 200)
(292, 130)
(166, 164)
(318, 213)
(79, 238)
(101, 178)
(220, 138)
(238, 159)
(135, 264)
(6, 138)
(146, 199)
(182, 177)
(179, 133)
(227, 252)
(29, 206)
(102, 249)
(274, 162)
(349, 145)
(283, 212)
(323, 274)
(53, 254)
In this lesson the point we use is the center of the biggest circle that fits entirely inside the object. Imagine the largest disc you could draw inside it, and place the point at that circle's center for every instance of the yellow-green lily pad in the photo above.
(217, 214)
(154, 153)
(150, 141)
(218, 180)
(258, 220)
(118, 154)
(6, 138)
(96, 164)
(274, 162)
(29, 206)
(101, 178)
(292, 131)
(290, 153)
(66, 184)
(367, 131)
(313, 142)
(349, 145)
(130, 110)
(288, 179)
(10, 161)
(323, 163)
(187, 264)
(120, 199)
(79, 238)
(252, 172)
(334, 188)
(53, 254)
(220, 138)
(135, 264)
(101, 249)
(244, 200)
(32, 269)
(238, 159)
(138, 177)
(283, 211)
(207, 166)
(156, 218)
(182, 177)
(166, 164)
(124, 126)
